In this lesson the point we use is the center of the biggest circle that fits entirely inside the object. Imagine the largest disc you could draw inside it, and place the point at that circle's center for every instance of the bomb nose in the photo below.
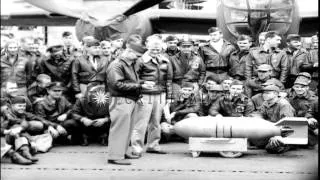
(286, 131)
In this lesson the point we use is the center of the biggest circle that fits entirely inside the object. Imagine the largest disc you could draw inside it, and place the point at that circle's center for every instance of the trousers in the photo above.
(147, 118)
(122, 111)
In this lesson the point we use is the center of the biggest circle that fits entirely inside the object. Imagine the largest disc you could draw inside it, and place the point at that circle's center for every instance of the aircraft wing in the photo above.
(182, 21)
(22, 13)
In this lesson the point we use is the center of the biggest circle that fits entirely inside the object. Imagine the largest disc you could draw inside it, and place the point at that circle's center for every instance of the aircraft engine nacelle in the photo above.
(118, 28)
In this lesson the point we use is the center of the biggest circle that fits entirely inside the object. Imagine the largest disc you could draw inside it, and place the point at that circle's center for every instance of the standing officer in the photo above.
(155, 71)
(117, 47)
(215, 54)
(314, 63)
(89, 68)
(106, 51)
(58, 67)
(187, 66)
(69, 45)
(237, 59)
(172, 46)
(125, 88)
(270, 54)
(297, 56)
(15, 65)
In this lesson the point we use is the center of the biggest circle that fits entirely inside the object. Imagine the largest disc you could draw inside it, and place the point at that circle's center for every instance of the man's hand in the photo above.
(38, 99)
(316, 65)
(62, 117)
(4, 108)
(86, 121)
(312, 123)
(168, 101)
(99, 122)
(79, 95)
(146, 86)
(166, 128)
(15, 131)
(61, 130)
(172, 115)
(7, 131)
(54, 133)
(276, 141)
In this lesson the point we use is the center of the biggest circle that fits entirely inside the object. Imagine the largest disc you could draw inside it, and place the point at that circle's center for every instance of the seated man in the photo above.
(226, 84)
(273, 109)
(55, 108)
(92, 112)
(204, 94)
(186, 105)
(305, 103)
(253, 86)
(37, 89)
(258, 100)
(16, 126)
(234, 104)
(9, 91)
(214, 93)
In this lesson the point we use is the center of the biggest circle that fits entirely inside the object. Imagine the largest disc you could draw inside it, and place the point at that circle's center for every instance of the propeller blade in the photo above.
(140, 6)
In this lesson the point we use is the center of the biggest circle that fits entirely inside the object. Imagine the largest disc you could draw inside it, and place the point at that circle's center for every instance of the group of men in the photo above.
(120, 93)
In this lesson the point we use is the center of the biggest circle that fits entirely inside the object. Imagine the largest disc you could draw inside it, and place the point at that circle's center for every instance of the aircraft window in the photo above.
(236, 16)
(236, 3)
(281, 3)
(281, 15)
(248, 16)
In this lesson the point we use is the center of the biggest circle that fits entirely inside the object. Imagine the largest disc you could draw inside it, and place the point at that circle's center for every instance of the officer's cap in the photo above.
(92, 42)
(171, 38)
(55, 48)
(187, 85)
(18, 100)
(271, 88)
(301, 81)
(213, 29)
(139, 48)
(264, 67)
(56, 85)
(271, 82)
(40, 77)
(293, 37)
(186, 42)
(304, 74)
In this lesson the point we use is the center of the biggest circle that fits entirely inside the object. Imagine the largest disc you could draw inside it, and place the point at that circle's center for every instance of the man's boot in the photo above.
(19, 159)
(25, 152)
(85, 141)
(104, 140)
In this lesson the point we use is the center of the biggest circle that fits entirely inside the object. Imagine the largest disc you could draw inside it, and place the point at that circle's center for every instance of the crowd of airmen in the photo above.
(129, 94)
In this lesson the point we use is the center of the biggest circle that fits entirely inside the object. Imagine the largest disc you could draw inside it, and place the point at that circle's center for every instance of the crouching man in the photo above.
(185, 106)
(93, 113)
(56, 108)
(234, 104)
(16, 127)
(273, 109)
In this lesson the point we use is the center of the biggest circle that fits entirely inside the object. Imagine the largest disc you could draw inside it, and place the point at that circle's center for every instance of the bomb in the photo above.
(230, 127)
